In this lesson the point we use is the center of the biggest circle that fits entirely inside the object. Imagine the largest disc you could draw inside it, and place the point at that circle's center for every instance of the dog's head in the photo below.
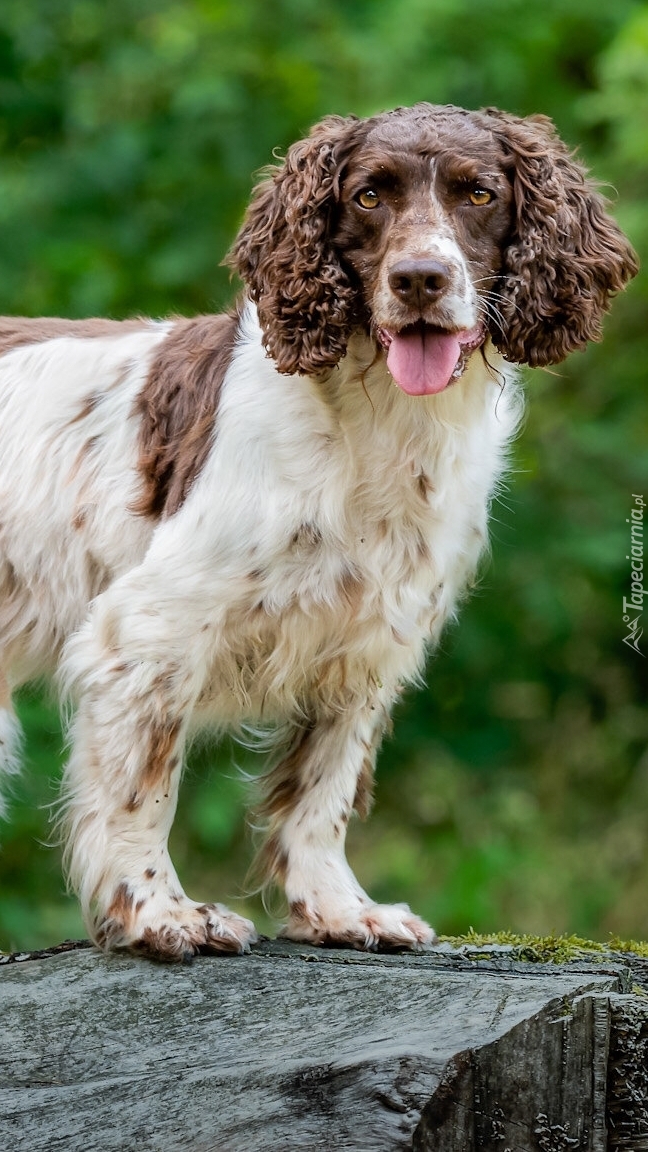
(431, 227)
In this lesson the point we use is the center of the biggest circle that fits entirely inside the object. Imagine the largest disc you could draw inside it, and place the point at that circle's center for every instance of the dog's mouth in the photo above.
(424, 359)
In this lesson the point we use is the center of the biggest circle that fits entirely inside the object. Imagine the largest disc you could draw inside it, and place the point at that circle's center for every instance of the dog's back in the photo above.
(67, 478)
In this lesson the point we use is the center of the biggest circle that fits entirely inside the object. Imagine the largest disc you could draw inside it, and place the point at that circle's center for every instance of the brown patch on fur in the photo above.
(150, 873)
(159, 764)
(79, 519)
(351, 588)
(87, 407)
(91, 445)
(424, 485)
(285, 782)
(9, 579)
(150, 944)
(363, 798)
(121, 905)
(16, 331)
(297, 910)
(94, 399)
(177, 408)
(118, 918)
(178, 944)
(307, 537)
(167, 944)
(133, 803)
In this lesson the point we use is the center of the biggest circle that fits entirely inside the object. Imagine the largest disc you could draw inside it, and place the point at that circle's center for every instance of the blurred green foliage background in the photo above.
(514, 793)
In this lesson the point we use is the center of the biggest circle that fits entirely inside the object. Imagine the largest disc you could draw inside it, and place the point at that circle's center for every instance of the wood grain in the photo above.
(296, 1048)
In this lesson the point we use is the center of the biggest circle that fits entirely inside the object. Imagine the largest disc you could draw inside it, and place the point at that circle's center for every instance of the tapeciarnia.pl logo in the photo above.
(634, 604)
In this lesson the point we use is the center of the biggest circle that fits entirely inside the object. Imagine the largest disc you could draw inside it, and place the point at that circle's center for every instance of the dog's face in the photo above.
(436, 220)
(423, 214)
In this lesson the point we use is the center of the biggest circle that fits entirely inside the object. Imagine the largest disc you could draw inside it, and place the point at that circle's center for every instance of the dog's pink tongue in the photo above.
(422, 361)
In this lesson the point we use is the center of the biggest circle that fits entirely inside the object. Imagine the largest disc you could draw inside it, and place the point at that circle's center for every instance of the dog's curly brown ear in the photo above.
(565, 258)
(304, 298)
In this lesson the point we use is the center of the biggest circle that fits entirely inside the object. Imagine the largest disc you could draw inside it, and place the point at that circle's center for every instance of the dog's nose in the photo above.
(419, 282)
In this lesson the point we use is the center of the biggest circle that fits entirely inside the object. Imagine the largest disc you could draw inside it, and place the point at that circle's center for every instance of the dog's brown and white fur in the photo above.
(243, 520)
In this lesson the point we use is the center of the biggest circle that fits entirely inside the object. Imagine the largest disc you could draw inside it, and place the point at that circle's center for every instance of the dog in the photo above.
(265, 518)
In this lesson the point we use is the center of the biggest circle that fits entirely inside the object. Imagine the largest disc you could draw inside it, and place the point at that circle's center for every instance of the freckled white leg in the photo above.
(120, 798)
(310, 799)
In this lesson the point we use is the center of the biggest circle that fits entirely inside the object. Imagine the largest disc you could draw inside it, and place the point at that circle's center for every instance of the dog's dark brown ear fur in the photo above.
(304, 298)
(566, 256)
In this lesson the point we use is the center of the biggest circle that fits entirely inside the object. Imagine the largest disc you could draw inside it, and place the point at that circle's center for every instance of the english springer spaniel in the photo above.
(265, 518)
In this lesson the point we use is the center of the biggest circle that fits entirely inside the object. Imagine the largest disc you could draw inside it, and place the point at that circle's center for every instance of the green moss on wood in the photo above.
(637, 947)
(543, 949)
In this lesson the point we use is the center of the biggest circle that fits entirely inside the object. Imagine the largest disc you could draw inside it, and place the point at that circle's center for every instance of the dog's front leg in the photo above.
(134, 706)
(310, 797)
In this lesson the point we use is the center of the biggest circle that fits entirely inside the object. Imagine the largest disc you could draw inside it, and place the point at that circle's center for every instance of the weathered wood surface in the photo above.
(294, 1048)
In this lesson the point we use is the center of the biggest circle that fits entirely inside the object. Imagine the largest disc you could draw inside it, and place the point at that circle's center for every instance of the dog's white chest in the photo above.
(338, 609)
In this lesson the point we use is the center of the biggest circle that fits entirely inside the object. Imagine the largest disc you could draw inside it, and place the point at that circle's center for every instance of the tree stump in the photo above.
(297, 1048)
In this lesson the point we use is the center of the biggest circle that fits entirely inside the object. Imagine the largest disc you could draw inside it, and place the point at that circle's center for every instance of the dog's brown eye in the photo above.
(368, 198)
(480, 196)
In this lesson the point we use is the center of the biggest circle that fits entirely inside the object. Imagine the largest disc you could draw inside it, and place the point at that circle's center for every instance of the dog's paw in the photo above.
(175, 932)
(370, 927)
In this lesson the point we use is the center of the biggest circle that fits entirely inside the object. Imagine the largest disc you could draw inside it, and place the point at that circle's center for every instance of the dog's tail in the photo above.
(10, 749)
